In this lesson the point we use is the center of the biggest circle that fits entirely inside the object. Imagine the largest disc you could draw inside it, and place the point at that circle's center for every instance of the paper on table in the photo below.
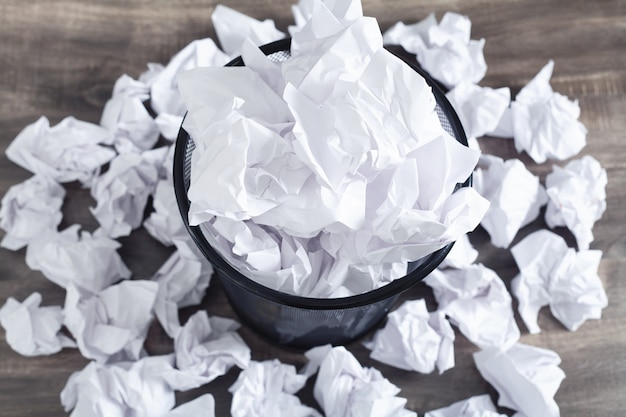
(30, 208)
(577, 197)
(32, 330)
(477, 301)
(183, 280)
(268, 389)
(233, 27)
(164, 95)
(202, 406)
(122, 193)
(88, 261)
(206, 348)
(444, 50)
(462, 254)
(526, 378)
(344, 388)
(112, 325)
(409, 341)
(479, 108)
(553, 274)
(165, 223)
(515, 194)
(69, 151)
(126, 86)
(545, 123)
(126, 117)
(120, 390)
(478, 406)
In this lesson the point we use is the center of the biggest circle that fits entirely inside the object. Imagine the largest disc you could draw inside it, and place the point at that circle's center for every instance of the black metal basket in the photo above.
(292, 320)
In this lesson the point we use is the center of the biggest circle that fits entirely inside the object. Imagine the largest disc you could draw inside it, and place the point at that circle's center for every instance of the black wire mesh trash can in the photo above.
(296, 321)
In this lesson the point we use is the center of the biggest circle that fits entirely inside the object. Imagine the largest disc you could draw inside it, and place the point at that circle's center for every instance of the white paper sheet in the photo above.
(165, 224)
(577, 197)
(409, 341)
(443, 49)
(545, 123)
(122, 193)
(478, 303)
(164, 95)
(88, 261)
(261, 166)
(32, 330)
(478, 406)
(268, 389)
(480, 109)
(555, 275)
(112, 325)
(462, 254)
(526, 378)
(233, 27)
(515, 194)
(344, 388)
(126, 117)
(183, 280)
(206, 348)
(69, 151)
(29, 208)
(121, 390)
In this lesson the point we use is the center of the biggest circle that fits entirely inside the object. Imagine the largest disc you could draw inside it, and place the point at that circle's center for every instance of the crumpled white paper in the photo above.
(553, 274)
(480, 109)
(342, 10)
(164, 95)
(414, 339)
(443, 49)
(545, 123)
(233, 28)
(88, 261)
(359, 188)
(165, 223)
(202, 406)
(183, 280)
(208, 347)
(577, 197)
(478, 303)
(122, 193)
(111, 325)
(32, 330)
(515, 194)
(69, 151)
(169, 125)
(122, 389)
(478, 406)
(268, 389)
(526, 378)
(462, 254)
(345, 389)
(29, 208)
(132, 127)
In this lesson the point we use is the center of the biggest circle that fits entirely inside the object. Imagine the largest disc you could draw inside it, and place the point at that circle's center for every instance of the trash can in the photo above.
(304, 322)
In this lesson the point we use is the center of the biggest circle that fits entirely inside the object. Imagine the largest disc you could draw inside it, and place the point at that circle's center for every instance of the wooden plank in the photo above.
(61, 58)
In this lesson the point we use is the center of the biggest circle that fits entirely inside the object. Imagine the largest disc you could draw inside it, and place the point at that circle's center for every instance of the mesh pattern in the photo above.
(300, 324)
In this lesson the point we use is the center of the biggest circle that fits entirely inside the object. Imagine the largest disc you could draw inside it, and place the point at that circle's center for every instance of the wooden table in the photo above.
(60, 58)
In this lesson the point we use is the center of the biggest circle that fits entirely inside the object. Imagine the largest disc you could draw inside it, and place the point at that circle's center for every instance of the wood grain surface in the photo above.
(61, 58)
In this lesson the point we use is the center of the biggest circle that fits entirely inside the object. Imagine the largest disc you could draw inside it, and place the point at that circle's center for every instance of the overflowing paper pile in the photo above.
(327, 217)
